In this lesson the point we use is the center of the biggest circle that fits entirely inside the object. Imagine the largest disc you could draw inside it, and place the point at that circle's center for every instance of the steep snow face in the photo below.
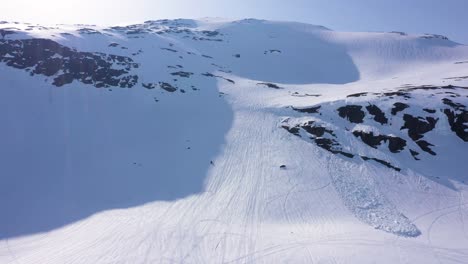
(213, 141)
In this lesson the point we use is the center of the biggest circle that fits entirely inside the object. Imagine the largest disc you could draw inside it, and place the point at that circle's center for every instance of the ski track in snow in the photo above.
(191, 160)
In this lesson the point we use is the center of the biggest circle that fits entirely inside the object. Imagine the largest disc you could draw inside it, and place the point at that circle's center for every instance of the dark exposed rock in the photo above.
(399, 33)
(237, 55)
(270, 85)
(398, 107)
(358, 94)
(206, 56)
(369, 138)
(296, 94)
(379, 115)
(316, 130)
(395, 144)
(309, 110)
(332, 146)
(401, 93)
(458, 123)
(326, 143)
(272, 51)
(283, 167)
(149, 85)
(88, 31)
(292, 130)
(114, 44)
(424, 145)
(168, 87)
(346, 154)
(210, 33)
(414, 154)
(217, 76)
(434, 36)
(50, 58)
(418, 126)
(353, 113)
(168, 49)
(383, 162)
(456, 106)
(430, 111)
(182, 74)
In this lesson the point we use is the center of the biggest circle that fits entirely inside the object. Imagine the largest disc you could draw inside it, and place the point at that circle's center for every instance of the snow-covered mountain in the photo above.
(215, 141)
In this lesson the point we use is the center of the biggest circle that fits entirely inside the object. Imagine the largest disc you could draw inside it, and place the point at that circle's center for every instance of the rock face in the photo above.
(353, 113)
(398, 107)
(49, 58)
(395, 144)
(379, 116)
(457, 116)
(418, 126)
(331, 135)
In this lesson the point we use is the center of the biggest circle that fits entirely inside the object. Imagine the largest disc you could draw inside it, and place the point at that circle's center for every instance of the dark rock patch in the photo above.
(414, 154)
(395, 144)
(168, 49)
(353, 113)
(398, 107)
(316, 130)
(182, 74)
(332, 146)
(296, 94)
(434, 36)
(383, 162)
(89, 31)
(399, 33)
(418, 126)
(424, 145)
(401, 93)
(50, 58)
(358, 94)
(270, 85)
(149, 85)
(379, 115)
(167, 86)
(217, 76)
(327, 143)
(272, 51)
(456, 106)
(292, 130)
(369, 138)
(210, 33)
(430, 111)
(458, 123)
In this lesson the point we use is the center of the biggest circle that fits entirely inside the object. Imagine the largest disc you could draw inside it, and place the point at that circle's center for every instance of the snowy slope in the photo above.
(164, 142)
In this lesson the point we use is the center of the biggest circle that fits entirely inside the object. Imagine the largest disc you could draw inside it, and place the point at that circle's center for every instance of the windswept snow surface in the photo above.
(214, 141)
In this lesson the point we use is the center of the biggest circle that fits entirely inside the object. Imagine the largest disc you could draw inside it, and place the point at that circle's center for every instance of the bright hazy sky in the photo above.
(447, 17)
